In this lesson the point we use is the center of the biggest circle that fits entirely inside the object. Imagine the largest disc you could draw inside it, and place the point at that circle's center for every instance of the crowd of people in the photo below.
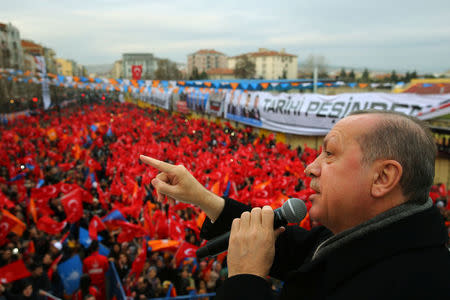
(78, 169)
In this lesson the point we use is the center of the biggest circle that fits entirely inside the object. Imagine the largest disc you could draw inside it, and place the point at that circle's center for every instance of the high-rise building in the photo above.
(270, 64)
(11, 54)
(205, 60)
(146, 60)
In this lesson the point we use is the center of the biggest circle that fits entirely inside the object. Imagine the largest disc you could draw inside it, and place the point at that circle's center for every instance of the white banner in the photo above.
(216, 103)
(40, 63)
(158, 98)
(314, 114)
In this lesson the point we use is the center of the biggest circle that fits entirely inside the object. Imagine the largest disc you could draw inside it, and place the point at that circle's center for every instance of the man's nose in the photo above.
(313, 169)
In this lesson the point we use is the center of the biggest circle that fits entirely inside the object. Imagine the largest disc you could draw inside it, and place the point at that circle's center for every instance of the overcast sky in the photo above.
(378, 34)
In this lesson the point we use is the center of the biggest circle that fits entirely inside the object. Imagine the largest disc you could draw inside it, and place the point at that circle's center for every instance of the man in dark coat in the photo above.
(381, 237)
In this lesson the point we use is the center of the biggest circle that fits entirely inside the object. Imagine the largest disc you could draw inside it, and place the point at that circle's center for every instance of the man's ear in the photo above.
(387, 175)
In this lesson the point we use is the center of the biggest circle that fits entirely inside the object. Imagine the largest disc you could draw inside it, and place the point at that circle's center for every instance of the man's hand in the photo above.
(252, 243)
(177, 183)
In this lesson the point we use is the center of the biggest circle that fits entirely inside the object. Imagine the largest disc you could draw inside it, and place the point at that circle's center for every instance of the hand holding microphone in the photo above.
(251, 242)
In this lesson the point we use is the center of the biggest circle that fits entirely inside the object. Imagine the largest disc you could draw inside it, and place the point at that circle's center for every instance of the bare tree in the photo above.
(245, 68)
(313, 61)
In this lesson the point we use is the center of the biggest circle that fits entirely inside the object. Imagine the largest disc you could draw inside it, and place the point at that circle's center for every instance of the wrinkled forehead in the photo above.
(354, 126)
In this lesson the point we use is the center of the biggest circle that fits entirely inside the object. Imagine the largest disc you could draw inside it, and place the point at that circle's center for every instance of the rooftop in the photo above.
(220, 71)
(207, 51)
(266, 52)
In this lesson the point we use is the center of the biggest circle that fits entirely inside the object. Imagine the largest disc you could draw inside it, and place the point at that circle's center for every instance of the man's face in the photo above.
(341, 181)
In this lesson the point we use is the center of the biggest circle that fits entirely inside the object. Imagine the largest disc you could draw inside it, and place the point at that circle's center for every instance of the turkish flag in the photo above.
(95, 225)
(50, 226)
(4, 201)
(13, 272)
(6, 225)
(93, 164)
(139, 262)
(129, 232)
(73, 206)
(185, 250)
(136, 71)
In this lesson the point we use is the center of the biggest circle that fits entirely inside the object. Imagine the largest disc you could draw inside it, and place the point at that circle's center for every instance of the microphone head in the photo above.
(293, 210)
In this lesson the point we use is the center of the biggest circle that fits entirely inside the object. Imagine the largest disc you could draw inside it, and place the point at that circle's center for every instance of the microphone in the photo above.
(292, 211)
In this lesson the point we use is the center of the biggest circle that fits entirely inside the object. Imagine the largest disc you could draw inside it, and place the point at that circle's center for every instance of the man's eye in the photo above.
(328, 153)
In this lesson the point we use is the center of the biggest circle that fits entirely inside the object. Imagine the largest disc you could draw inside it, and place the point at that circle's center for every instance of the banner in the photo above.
(314, 114)
(244, 107)
(136, 71)
(196, 101)
(158, 98)
(40, 63)
(215, 103)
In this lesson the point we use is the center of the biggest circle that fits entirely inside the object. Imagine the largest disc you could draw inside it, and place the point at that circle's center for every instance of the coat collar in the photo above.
(420, 230)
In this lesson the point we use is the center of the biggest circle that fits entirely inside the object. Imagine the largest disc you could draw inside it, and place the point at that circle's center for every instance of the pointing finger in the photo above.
(160, 165)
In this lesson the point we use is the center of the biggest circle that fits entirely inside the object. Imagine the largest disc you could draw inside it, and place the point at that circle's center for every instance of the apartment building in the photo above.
(11, 54)
(269, 64)
(205, 60)
(146, 60)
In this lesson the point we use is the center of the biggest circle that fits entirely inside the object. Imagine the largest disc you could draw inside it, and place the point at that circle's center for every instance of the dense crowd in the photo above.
(66, 172)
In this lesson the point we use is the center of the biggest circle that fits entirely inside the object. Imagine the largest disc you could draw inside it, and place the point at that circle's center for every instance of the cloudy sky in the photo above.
(378, 34)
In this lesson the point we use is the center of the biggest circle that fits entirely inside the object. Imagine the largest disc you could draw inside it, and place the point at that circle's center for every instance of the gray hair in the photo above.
(407, 140)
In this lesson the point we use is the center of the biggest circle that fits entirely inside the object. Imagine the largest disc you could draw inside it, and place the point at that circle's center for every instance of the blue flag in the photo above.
(85, 240)
(114, 215)
(70, 272)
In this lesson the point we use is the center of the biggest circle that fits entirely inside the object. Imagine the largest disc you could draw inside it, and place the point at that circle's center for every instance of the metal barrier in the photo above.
(188, 297)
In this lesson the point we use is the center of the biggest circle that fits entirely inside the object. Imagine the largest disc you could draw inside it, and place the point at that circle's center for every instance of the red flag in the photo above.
(129, 232)
(185, 250)
(95, 226)
(161, 224)
(73, 206)
(52, 266)
(101, 197)
(93, 164)
(4, 201)
(13, 272)
(6, 225)
(176, 228)
(50, 226)
(136, 71)
(32, 210)
(138, 264)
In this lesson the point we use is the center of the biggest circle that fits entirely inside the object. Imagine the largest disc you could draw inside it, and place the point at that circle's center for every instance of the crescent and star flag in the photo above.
(129, 232)
(136, 70)
(50, 226)
(185, 250)
(95, 225)
(72, 203)
(138, 264)
(14, 271)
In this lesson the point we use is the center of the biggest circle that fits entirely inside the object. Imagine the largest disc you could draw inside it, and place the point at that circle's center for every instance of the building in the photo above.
(64, 67)
(205, 60)
(29, 64)
(32, 48)
(270, 64)
(50, 60)
(221, 74)
(146, 60)
(116, 71)
(11, 54)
